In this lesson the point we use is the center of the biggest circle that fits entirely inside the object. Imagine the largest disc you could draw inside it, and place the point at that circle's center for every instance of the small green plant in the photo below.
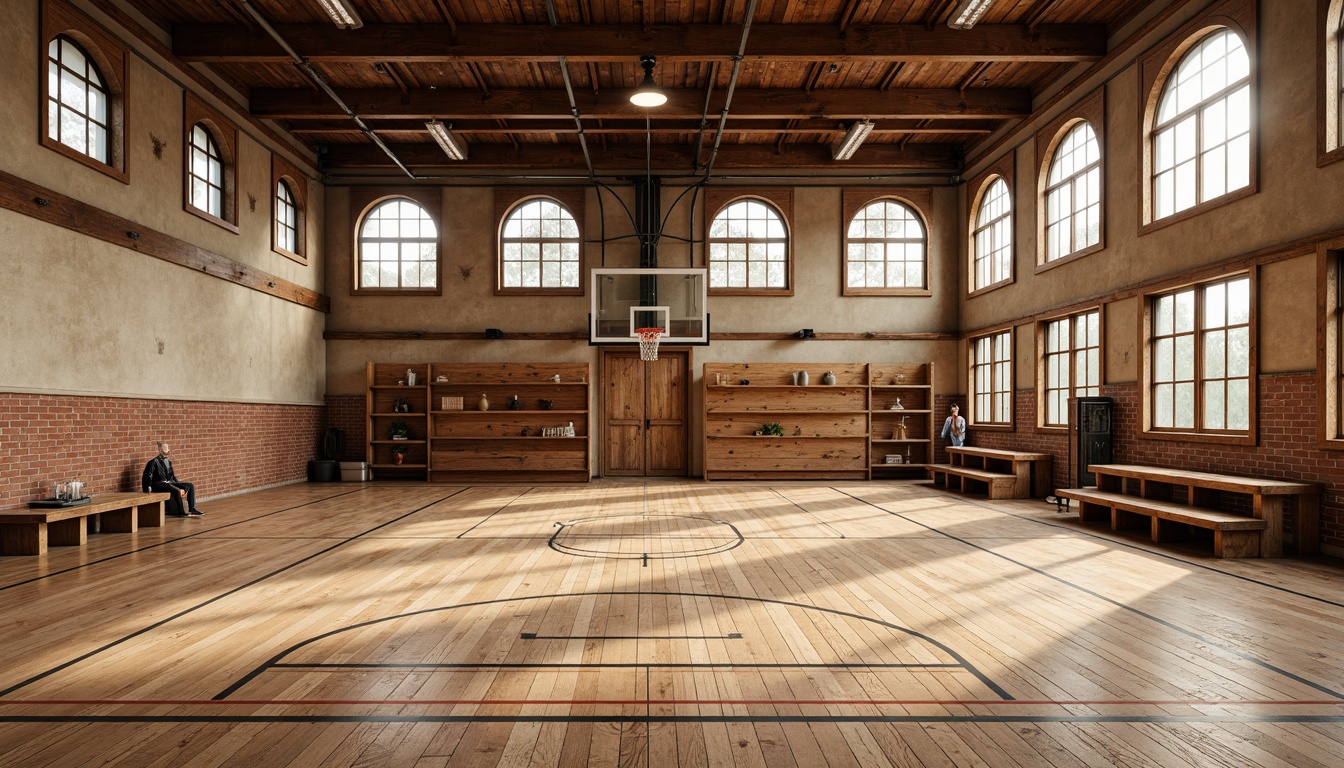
(400, 450)
(398, 430)
(773, 429)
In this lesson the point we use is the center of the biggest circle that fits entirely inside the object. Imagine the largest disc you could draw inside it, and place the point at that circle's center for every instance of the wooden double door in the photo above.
(645, 413)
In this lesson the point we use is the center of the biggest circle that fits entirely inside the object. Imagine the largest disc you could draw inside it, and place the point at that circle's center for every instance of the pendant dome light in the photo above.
(648, 94)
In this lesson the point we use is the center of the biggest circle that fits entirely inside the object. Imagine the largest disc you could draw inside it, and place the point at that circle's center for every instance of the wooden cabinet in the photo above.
(523, 442)
(840, 431)
(901, 421)
(825, 426)
(392, 401)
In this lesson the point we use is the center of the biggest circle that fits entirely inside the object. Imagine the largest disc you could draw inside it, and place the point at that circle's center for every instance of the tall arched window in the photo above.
(539, 247)
(749, 247)
(993, 236)
(77, 100)
(1073, 194)
(286, 218)
(886, 249)
(205, 172)
(398, 246)
(1201, 137)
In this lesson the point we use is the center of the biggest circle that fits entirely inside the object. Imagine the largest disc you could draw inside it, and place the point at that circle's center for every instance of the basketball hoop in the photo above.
(648, 342)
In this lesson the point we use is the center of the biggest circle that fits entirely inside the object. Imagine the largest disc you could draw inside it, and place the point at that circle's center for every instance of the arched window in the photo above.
(1201, 137)
(749, 247)
(398, 246)
(77, 100)
(539, 247)
(1073, 194)
(205, 172)
(286, 218)
(886, 248)
(993, 236)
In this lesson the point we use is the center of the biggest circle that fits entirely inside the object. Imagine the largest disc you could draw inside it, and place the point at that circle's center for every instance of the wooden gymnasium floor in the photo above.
(664, 624)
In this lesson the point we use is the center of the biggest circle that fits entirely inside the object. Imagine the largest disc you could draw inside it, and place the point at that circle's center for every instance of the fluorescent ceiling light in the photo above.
(858, 131)
(648, 94)
(342, 12)
(968, 12)
(451, 145)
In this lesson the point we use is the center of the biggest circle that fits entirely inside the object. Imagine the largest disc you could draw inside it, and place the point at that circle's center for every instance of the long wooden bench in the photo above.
(996, 485)
(1002, 474)
(30, 531)
(1250, 526)
(1233, 535)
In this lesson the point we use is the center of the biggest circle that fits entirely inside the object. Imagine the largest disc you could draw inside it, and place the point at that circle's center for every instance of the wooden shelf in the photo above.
(397, 466)
(842, 420)
(505, 437)
(397, 442)
(497, 411)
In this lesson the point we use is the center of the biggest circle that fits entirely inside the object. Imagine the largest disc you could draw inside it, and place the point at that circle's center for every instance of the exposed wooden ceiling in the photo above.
(496, 71)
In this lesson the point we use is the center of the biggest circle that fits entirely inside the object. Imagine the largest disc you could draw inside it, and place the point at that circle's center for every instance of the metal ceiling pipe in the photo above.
(732, 85)
(574, 110)
(322, 83)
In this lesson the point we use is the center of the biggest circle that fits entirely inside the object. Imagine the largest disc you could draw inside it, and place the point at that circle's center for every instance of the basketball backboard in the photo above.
(626, 299)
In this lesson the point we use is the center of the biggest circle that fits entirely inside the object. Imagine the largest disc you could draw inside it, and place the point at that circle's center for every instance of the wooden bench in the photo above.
(1233, 535)
(29, 531)
(1004, 474)
(995, 484)
(1127, 493)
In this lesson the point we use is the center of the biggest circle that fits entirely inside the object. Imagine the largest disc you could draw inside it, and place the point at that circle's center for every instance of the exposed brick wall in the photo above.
(346, 413)
(222, 448)
(1286, 451)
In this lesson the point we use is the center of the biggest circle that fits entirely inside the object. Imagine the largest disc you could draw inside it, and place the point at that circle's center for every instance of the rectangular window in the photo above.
(1071, 364)
(1331, 362)
(992, 379)
(1200, 362)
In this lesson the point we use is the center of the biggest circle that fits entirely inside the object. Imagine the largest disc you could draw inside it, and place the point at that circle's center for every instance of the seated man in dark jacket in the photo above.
(159, 478)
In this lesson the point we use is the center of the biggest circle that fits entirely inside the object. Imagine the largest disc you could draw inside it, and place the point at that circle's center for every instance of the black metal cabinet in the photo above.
(1092, 436)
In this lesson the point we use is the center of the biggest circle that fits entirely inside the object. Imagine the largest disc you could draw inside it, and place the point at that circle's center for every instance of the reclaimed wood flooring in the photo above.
(661, 623)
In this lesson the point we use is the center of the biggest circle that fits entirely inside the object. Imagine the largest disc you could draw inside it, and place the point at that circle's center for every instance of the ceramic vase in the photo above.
(828, 378)
(802, 378)
(484, 404)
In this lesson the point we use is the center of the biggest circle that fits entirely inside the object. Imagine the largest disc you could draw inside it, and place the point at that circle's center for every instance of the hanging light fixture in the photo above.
(342, 13)
(648, 94)
(858, 131)
(451, 145)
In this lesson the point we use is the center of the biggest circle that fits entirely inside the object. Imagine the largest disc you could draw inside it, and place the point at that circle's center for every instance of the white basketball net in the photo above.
(648, 342)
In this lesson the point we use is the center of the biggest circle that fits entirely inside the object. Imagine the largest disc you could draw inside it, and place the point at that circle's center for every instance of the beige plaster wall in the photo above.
(1295, 199)
(86, 317)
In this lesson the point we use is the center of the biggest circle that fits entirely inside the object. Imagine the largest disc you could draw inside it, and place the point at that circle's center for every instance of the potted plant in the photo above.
(773, 429)
(398, 430)
(399, 453)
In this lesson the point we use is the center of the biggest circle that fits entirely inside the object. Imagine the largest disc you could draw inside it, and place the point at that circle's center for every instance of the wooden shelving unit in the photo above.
(840, 431)
(383, 393)
(825, 426)
(912, 385)
(471, 445)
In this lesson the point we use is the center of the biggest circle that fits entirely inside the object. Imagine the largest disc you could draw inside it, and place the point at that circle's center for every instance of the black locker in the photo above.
(1092, 436)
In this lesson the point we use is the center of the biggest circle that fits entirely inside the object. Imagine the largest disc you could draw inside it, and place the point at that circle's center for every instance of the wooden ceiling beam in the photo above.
(932, 158)
(320, 43)
(526, 127)
(763, 104)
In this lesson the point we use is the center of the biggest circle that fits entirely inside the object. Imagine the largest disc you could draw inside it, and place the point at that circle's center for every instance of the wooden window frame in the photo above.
(225, 134)
(972, 411)
(1090, 110)
(779, 198)
(283, 170)
(110, 56)
(1043, 359)
(364, 199)
(853, 200)
(1197, 433)
(1329, 82)
(1330, 344)
(508, 200)
(1004, 168)
(1155, 68)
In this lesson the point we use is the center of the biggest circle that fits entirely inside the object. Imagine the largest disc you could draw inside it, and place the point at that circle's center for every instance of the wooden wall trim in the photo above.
(1305, 246)
(21, 196)
(580, 335)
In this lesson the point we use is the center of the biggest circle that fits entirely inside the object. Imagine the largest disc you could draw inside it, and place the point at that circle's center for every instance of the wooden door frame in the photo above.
(600, 382)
